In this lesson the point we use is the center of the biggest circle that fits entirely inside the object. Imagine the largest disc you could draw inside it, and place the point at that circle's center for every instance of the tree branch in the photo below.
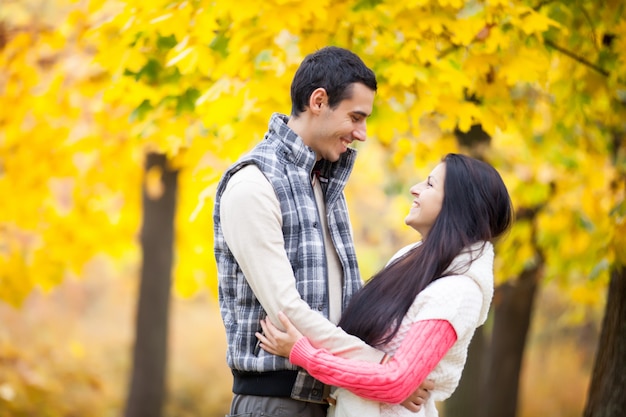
(577, 58)
(569, 53)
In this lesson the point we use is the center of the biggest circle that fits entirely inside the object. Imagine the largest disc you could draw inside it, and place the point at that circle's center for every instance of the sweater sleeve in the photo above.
(424, 346)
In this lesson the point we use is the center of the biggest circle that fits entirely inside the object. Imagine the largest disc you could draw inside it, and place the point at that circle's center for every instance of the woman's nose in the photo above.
(417, 188)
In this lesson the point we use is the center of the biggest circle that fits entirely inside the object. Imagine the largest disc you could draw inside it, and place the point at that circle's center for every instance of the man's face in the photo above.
(337, 128)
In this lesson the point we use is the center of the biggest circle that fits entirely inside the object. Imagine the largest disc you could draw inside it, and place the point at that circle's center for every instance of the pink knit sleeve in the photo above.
(425, 344)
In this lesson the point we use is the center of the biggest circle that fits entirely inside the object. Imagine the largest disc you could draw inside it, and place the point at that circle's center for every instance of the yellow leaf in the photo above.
(526, 66)
(498, 40)
(457, 4)
(465, 30)
(468, 113)
(531, 21)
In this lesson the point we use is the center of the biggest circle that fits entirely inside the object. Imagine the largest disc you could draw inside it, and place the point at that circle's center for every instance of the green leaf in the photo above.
(150, 71)
(619, 210)
(584, 222)
(165, 43)
(220, 44)
(187, 101)
(136, 39)
(141, 111)
(172, 76)
(366, 5)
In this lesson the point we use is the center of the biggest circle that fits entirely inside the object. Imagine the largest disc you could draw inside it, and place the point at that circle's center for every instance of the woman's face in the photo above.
(427, 202)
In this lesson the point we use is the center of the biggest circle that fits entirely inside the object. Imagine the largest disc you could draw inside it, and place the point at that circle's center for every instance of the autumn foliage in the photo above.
(88, 92)
(88, 88)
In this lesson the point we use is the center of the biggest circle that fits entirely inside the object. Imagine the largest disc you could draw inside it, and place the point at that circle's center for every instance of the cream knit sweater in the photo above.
(462, 299)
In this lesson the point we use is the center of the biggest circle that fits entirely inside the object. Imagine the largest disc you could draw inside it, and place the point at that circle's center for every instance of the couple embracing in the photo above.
(305, 337)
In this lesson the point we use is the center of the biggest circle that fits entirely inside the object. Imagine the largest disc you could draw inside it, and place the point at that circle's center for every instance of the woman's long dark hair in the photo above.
(476, 207)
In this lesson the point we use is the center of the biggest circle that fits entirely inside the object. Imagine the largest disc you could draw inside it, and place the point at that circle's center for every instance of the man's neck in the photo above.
(301, 125)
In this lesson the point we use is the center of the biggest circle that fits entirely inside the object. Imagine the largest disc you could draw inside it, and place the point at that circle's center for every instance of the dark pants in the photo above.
(253, 406)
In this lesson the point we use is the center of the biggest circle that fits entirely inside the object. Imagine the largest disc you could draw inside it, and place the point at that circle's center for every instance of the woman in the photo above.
(424, 306)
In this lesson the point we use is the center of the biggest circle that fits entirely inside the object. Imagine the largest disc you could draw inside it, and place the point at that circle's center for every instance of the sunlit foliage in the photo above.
(86, 94)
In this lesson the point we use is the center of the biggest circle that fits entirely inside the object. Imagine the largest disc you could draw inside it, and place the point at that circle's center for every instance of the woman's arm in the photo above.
(392, 382)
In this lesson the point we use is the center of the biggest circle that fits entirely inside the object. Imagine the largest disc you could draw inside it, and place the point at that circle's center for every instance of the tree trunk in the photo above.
(467, 400)
(147, 387)
(607, 390)
(513, 305)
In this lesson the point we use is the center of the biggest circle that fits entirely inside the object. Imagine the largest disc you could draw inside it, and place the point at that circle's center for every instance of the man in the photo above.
(282, 235)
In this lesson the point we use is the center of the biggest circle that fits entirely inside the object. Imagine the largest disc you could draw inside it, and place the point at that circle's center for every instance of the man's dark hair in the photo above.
(333, 69)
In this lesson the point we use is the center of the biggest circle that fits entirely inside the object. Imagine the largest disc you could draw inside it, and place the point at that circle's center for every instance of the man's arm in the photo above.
(252, 225)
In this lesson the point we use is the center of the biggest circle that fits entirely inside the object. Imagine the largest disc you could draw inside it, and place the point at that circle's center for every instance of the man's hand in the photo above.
(419, 397)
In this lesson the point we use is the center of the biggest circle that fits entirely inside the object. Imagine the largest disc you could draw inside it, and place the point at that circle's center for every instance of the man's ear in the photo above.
(318, 99)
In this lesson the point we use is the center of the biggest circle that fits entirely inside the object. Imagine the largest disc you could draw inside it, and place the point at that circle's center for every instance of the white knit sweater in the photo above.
(463, 299)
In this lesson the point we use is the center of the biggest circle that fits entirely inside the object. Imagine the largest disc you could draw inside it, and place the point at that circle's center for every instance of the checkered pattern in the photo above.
(287, 163)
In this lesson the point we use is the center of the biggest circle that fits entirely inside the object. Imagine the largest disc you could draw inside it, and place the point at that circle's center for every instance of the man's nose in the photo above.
(360, 133)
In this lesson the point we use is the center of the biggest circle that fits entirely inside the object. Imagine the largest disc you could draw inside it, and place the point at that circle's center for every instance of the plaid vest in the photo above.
(287, 164)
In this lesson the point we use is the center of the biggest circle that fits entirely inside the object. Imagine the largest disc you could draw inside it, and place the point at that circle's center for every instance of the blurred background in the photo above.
(117, 119)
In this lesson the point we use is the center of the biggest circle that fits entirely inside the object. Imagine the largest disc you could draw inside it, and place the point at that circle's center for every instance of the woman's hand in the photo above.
(276, 341)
